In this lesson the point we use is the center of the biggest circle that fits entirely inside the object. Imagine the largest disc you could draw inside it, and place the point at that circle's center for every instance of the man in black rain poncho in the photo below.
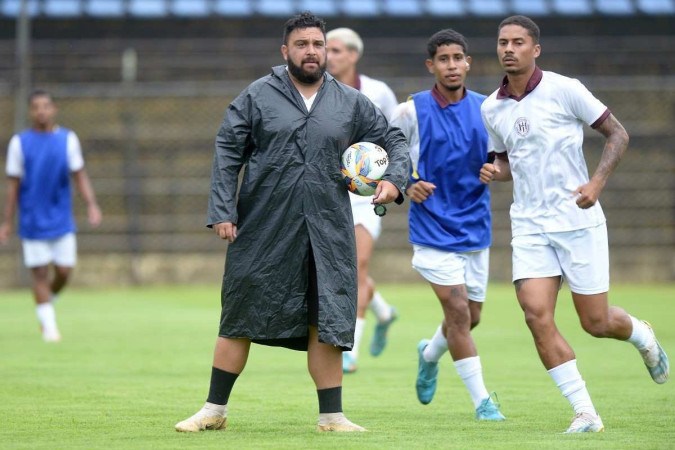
(290, 275)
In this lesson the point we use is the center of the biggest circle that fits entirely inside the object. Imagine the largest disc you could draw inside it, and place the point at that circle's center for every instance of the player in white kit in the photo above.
(345, 48)
(535, 125)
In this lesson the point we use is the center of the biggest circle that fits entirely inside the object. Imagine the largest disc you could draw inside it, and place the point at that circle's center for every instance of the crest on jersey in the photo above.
(522, 126)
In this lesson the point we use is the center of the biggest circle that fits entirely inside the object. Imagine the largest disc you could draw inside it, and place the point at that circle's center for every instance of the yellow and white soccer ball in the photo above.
(363, 164)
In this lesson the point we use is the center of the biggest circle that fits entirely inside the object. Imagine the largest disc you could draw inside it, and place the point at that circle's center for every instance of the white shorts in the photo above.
(364, 214)
(61, 251)
(580, 256)
(450, 269)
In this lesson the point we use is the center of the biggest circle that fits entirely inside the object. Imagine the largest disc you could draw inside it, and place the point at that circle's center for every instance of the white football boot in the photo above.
(337, 422)
(210, 417)
(586, 423)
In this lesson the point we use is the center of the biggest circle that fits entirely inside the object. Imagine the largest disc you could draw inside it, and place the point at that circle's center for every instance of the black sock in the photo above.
(330, 400)
(221, 386)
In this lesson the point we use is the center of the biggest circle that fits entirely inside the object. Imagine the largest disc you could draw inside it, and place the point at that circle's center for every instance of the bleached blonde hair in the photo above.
(347, 36)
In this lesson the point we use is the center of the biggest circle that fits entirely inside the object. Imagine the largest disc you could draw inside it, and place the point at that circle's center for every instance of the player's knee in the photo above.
(596, 328)
(475, 317)
(458, 318)
(362, 271)
(40, 274)
(370, 284)
(62, 273)
(362, 264)
(537, 321)
(475, 309)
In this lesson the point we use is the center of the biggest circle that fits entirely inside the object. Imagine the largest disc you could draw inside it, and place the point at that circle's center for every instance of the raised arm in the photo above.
(616, 144)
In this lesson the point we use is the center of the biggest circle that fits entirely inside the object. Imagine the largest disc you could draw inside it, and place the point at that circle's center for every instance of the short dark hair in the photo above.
(525, 22)
(39, 93)
(446, 37)
(303, 20)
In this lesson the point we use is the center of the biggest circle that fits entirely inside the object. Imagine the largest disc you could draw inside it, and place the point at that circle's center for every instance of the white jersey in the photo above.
(14, 165)
(383, 97)
(379, 93)
(405, 118)
(542, 132)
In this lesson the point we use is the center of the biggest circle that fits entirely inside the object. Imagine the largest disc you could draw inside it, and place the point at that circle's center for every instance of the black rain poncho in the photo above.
(292, 199)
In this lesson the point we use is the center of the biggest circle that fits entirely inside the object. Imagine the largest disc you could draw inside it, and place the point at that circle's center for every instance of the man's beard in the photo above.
(303, 76)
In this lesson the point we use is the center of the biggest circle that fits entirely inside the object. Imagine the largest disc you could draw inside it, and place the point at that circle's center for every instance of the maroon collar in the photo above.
(442, 102)
(358, 82)
(532, 83)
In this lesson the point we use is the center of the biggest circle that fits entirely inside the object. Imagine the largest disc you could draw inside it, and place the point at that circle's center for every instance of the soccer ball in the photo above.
(363, 164)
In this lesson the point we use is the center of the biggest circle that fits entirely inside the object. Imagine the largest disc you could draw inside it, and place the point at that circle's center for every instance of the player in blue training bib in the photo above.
(449, 217)
(40, 162)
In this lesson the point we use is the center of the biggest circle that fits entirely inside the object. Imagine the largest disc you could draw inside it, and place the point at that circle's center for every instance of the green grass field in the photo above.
(135, 361)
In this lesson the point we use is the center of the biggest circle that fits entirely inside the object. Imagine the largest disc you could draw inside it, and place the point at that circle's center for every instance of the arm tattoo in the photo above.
(615, 146)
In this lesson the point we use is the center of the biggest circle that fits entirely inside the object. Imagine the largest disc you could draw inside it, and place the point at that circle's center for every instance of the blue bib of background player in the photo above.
(453, 148)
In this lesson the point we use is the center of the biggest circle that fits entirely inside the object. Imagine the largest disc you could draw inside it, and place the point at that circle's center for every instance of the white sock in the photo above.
(47, 317)
(470, 371)
(380, 307)
(358, 335)
(568, 379)
(437, 347)
(641, 337)
(211, 409)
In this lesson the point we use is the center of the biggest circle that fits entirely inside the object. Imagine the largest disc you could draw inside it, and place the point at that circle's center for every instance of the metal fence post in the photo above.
(132, 176)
